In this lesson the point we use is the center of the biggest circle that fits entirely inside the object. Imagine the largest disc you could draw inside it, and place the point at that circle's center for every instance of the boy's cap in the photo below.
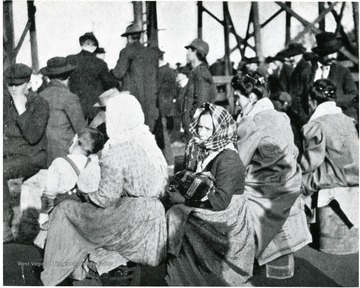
(17, 74)
(199, 45)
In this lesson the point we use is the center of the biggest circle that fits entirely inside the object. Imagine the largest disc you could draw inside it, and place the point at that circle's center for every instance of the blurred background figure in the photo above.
(100, 53)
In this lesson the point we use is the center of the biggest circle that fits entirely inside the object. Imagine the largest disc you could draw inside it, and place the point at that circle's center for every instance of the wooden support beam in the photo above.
(256, 23)
(152, 28)
(321, 7)
(226, 38)
(297, 16)
(138, 15)
(317, 20)
(200, 19)
(338, 21)
(22, 38)
(345, 37)
(212, 15)
(287, 25)
(356, 21)
(33, 40)
(239, 40)
(8, 34)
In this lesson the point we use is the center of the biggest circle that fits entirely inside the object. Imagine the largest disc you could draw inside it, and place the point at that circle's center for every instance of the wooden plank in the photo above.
(219, 80)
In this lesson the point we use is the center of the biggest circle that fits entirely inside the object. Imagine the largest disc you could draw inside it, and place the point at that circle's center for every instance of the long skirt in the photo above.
(135, 228)
(210, 248)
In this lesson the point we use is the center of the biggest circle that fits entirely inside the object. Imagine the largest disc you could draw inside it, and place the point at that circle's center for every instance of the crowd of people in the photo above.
(105, 137)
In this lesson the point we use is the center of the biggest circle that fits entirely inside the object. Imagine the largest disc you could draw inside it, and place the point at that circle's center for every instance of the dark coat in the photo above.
(285, 78)
(137, 67)
(295, 78)
(200, 89)
(25, 134)
(167, 90)
(90, 79)
(66, 119)
(345, 88)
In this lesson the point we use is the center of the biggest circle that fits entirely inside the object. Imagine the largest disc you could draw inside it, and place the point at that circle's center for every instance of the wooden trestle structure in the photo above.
(349, 50)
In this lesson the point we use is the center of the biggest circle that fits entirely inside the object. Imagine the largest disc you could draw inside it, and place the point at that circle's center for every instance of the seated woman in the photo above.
(211, 241)
(330, 162)
(273, 177)
(125, 215)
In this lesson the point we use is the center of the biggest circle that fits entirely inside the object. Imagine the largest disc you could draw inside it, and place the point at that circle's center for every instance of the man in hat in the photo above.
(278, 73)
(137, 68)
(91, 76)
(66, 117)
(294, 53)
(326, 67)
(201, 87)
(25, 119)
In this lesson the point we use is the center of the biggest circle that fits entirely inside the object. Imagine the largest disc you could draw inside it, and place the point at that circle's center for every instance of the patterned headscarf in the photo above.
(223, 135)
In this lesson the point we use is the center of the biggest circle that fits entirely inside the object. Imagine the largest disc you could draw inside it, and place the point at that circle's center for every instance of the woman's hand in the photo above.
(175, 197)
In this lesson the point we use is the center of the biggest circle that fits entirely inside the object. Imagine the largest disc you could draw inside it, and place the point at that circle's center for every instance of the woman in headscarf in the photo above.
(273, 177)
(211, 241)
(125, 220)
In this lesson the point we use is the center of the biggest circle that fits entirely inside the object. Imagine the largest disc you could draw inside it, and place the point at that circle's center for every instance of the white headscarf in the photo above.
(125, 123)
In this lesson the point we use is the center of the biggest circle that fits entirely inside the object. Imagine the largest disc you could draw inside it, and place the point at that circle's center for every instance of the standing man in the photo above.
(91, 76)
(137, 67)
(326, 67)
(66, 117)
(167, 94)
(201, 87)
(24, 137)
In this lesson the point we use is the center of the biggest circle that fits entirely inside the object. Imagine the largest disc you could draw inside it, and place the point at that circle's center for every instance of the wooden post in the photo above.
(257, 34)
(8, 34)
(152, 29)
(356, 21)
(288, 26)
(228, 67)
(33, 41)
(321, 6)
(200, 22)
(138, 15)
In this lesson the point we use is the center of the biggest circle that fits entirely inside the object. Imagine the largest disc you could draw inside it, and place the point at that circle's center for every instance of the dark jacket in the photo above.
(200, 89)
(285, 78)
(295, 78)
(66, 119)
(25, 134)
(345, 88)
(90, 79)
(167, 90)
(229, 173)
(137, 67)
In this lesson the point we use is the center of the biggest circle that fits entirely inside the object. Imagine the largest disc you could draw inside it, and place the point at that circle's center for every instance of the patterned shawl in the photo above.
(224, 135)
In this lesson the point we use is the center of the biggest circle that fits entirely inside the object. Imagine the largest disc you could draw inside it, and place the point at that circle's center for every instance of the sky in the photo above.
(59, 25)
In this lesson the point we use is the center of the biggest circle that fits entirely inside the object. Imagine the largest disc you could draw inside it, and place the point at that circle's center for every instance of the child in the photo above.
(63, 172)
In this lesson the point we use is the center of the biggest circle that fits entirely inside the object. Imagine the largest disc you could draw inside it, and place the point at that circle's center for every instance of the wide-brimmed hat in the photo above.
(57, 66)
(107, 95)
(294, 49)
(89, 36)
(327, 43)
(17, 74)
(132, 29)
(200, 45)
(251, 60)
(99, 50)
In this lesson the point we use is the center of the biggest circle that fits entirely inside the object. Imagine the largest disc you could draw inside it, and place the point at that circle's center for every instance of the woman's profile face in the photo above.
(205, 127)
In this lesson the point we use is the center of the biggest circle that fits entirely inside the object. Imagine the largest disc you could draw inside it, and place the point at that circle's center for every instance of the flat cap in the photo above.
(17, 74)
